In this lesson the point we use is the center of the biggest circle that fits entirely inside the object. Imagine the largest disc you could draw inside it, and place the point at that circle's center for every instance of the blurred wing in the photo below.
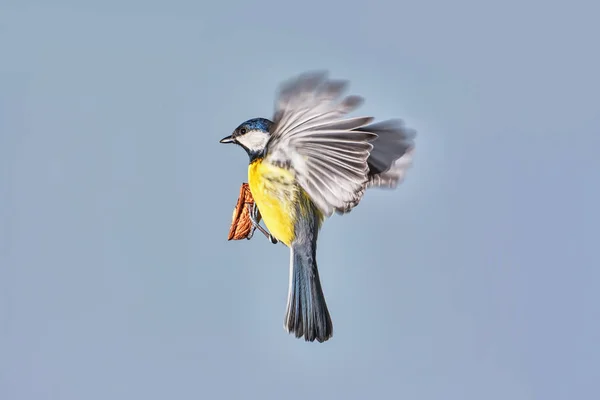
(390, 157)
(392, 153)
(393, 176)
(327, 152)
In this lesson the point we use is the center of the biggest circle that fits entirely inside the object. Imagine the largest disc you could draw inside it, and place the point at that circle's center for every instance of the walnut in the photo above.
(241, 226)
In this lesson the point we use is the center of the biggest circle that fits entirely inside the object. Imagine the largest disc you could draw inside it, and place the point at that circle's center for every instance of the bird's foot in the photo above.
(253, 212)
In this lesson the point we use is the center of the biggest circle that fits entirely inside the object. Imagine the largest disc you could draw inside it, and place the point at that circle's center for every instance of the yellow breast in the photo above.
(274, 191)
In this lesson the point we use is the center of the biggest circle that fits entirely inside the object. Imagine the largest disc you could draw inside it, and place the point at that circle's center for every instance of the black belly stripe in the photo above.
(278, 180)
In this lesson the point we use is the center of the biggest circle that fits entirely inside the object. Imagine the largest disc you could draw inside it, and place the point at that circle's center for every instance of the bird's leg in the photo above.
(253, 212)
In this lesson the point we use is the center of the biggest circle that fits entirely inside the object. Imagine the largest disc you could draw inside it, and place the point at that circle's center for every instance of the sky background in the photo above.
(477, 279)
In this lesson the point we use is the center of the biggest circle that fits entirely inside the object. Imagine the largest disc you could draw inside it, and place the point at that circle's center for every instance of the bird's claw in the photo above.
(253, 212)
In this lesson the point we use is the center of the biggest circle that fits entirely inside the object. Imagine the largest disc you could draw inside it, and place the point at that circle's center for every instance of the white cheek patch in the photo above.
(254, 140)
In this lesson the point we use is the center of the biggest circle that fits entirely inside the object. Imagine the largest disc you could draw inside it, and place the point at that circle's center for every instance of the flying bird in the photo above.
(310, 161)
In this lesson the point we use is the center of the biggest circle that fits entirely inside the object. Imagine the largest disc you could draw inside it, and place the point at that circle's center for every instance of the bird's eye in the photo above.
(243, 131)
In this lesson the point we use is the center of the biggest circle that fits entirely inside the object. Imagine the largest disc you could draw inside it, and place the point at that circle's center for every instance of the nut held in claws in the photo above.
(241, 226)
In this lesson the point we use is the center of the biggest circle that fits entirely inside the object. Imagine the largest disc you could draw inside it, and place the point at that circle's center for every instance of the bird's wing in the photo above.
(391, 156)
(327, 151)
(392, 153)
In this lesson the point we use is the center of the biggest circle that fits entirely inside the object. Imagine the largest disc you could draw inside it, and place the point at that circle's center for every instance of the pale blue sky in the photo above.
(477, 279)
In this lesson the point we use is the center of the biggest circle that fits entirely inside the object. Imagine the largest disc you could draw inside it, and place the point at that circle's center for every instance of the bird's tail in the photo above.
(307, 313)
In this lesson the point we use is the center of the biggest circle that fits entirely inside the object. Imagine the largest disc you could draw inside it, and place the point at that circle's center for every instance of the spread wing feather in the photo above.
(335, 158)
(326, 151)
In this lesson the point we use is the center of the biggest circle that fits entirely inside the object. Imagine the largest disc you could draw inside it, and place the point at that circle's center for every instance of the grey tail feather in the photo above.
(307, 313)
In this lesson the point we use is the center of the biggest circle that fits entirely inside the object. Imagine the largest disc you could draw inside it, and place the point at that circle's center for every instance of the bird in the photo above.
(309, 161)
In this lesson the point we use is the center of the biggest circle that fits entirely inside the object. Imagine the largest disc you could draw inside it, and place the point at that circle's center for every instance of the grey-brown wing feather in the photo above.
(335, 158)
(390, 158)
(327, 152)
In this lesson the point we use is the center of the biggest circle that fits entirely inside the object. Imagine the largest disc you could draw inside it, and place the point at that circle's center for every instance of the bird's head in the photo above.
(252, 135)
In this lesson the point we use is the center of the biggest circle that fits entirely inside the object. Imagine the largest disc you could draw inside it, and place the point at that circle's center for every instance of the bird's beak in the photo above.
(227, 139)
